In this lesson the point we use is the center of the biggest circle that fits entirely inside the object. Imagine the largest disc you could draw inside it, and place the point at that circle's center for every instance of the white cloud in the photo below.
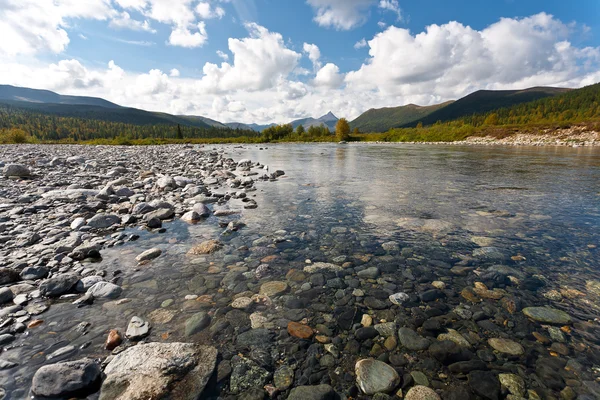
(360, 44)
(341, 14)
(82, 36)
(329, 76)
(391, 5)
(259, 61)
(314, 54)
(381, 24)
(124, 21)
(205, 11)
(184, 37)
(174, 73)
(223, 55)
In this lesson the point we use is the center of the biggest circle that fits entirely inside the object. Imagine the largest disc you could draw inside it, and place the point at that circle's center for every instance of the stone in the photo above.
(137, 329)
(103, 221)
(206, 247)
(547, 315)
(58, 284)
(506, 346)
(113, 340)
(316, 392)
(66, 379)
(242, 303)
(196, 323)
(191, 217)
(105, 290)
(148, 255)
(273, 288)
(201, 209)
(283, 377)
(411, 340)
(87, 282)
(420, 378)
(9, 275)
(420, 392)
(455, 337)
(373, 376)
(321, 266)
(18, 170)
(399, 298)
(369, 273)
(34, 272)
(259, 337)
(484, 384)
(514, 383)
(159, 370)
(6, 295)
(300, 331)
(246, 374)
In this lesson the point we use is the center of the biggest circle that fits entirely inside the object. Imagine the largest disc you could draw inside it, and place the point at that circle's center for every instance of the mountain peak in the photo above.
(328, 117)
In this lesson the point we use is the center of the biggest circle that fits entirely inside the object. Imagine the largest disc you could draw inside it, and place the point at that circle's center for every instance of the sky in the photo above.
(263, 61)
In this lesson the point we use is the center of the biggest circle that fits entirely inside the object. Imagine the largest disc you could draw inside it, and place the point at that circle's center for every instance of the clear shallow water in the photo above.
(341, 203)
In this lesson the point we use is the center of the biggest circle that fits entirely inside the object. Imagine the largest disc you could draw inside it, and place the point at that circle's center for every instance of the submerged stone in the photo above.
(547, 315)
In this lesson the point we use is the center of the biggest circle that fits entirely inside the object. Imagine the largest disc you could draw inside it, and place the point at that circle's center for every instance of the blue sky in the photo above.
(275, 60)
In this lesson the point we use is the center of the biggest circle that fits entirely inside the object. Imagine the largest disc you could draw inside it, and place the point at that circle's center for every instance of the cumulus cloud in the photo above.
(124, 21)
(329, 76)
(340, 14)
(259, 61)
(206, 11)
(314, 54)
(174, 73)
(360, 44)
(184, 36)
(223, 55)
(391, 5)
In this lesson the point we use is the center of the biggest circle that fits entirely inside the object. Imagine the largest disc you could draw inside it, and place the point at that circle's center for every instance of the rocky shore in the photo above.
(284, 315)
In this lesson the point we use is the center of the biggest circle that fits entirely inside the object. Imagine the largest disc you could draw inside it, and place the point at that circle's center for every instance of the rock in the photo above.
(159, 370)
(17, 170)
(421, 393)
(373, 376)
(514, 383)
(399, 298)
(317, 392)
(255, 338)
(103, 221)
(6, 295)
(113, 340)
(196, 323)
(365, 333)
(150, 254)
(201, 209)
(4, 365)
(9, 275)
(6, 338)
(160, 214)
(411, 339)
(242, 303)
(547, 315)
(320, 266)
(206, 247)
(66, 379)
(369, 273)
(58, 285)
(484, 384)
(34, 272)
(85, 283)
(137, 328)
(431, 295)
(506, 346)
(455, 337)
(105, 290)
(283, 377)
(274, 288)
(246, 374)
(299, 331)
(191, 217)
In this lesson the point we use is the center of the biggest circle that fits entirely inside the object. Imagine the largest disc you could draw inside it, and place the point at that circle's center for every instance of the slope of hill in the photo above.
(483, 101)
(382, 119)
(14, 93)
(329, 120)
(254, 127)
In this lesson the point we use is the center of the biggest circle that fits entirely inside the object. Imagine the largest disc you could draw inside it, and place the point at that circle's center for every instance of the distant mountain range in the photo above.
(373, 120)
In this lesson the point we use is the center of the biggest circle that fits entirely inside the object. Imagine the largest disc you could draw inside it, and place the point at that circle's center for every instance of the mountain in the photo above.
(14, 93)
(329, 120)
(382, 119)
(254, 127)
(483, 101)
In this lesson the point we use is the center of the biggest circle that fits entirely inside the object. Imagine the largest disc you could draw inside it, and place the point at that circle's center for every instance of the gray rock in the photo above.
(18, 170)
(58, 285)
(191, 217)
(369, 273)
(9, 275)
(149, 255)
(34, 272)
(246, 374)
(6, 295)
(4, 364)
(201, 209)
(421, 393)
(105, 290)
(196, 323)
(411, 339)
(317, 392)
(373, 376)
(103, 221)
(159, 371)
(85, 283)
(6, 338)
(137, 328)
(66, 379)
(143, 208)
(161, 213)
(547, 315)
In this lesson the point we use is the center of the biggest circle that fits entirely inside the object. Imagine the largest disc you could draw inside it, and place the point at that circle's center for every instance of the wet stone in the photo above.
(421, 393)
(66, 379)
(374, 376)
(137, 328)
(196, 323)
(506, 346)
(412, 340)
(274, 288)
(547, 315)
(316, 392)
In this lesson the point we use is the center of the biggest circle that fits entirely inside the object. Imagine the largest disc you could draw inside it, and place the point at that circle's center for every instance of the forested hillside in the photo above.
(47, 127)
(382, 119)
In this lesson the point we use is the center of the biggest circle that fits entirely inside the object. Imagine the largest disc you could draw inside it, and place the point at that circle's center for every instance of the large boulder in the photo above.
(159, 371)
(102, 221)
(58, 285)
(66, 379)
(18, 170)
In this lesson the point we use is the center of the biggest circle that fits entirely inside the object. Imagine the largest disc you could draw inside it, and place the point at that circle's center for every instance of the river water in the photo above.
(536, 210)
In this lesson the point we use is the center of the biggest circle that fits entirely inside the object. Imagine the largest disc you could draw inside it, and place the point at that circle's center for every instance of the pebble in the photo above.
(421, 393)
(149, 255)
(137, 328)
(373, 376)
